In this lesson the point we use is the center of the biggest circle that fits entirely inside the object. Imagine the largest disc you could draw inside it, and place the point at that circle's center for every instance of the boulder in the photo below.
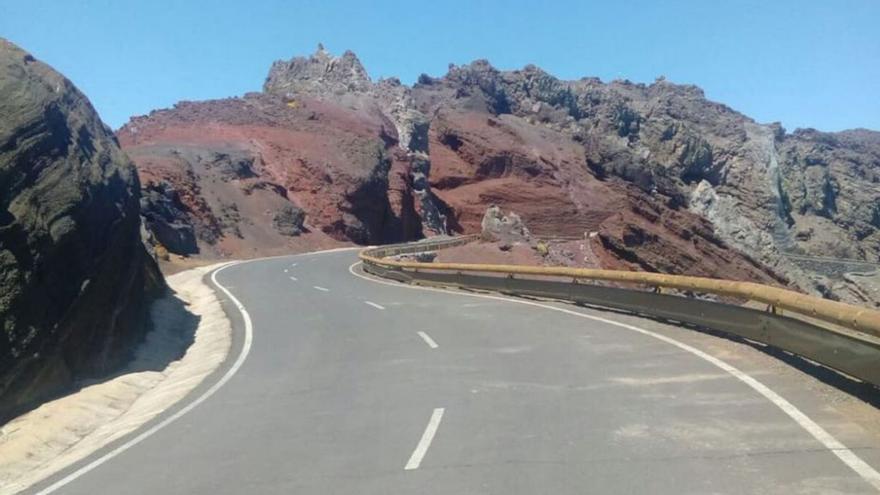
(509, 228)
(75, 278)
(289, 221)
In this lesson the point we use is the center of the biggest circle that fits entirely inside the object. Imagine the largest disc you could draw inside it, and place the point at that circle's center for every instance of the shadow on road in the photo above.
(172, 329)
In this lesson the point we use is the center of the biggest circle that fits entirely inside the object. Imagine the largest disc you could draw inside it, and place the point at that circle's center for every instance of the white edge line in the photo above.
(377, 306)
(322, 289)
(415, 460)
(248, 340)
(428, 340)
(847, 456)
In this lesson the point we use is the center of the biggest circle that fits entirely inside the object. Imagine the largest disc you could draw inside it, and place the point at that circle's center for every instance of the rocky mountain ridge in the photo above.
(344, 79)
(666, 179)
(765, 191)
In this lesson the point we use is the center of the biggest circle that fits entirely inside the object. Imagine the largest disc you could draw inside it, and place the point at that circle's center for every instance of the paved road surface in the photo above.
(358, 387)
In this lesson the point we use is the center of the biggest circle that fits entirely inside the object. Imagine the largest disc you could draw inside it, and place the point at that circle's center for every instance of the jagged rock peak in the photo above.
(318, 74)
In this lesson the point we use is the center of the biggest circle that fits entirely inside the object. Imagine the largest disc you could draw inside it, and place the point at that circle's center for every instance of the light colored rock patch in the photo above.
(636, 431)
(664, 380)
(61, 432)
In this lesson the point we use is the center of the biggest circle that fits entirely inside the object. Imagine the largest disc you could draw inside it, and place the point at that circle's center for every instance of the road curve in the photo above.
(353, 386)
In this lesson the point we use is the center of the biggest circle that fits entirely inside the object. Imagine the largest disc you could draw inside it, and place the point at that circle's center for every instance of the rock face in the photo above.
(654, 177)
(289, 221)
(322, 139)
(488, 147)
(763, 191)
(320, 74)
(164, 219)
(344, 79)
(496, 226)
(74, 275)
(830, 192)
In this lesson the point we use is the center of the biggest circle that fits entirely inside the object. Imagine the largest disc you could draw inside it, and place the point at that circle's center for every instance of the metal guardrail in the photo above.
(852, 348)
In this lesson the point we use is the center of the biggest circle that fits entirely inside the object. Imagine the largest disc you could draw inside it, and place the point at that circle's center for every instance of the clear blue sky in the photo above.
(807, 63)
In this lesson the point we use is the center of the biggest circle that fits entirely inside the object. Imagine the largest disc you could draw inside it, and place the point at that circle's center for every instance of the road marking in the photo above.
(427, 437)
(428, 340)
(322, 289)
(293, 278)
(239, 361)
(835, 446)
(292, 264)
(285, 270)
(374, 305)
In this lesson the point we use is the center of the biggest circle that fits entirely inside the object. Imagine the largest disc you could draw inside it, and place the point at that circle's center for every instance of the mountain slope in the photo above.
(665, 179)
(765, 192)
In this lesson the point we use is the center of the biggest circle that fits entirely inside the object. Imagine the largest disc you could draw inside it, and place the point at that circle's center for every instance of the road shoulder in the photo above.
(61, 432)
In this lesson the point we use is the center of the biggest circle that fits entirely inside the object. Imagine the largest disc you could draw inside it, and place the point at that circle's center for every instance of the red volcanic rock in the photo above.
(323, 139)
(479, 159)
(333, 149)
(631, 176)
(235, 163)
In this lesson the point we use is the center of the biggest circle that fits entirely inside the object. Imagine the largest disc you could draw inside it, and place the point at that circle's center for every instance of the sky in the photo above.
(806, 63)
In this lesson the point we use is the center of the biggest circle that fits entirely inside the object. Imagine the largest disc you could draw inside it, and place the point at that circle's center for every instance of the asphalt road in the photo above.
(356, 387)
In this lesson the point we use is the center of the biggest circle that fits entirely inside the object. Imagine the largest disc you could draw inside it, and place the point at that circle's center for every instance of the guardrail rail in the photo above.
(838, 335)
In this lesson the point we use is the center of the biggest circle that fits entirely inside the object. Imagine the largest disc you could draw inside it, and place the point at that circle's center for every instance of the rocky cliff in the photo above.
(74, 274)
(323, 140)
(656, 176)
(765, 192)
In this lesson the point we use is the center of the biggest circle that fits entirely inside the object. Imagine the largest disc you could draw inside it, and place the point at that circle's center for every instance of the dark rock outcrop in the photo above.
(74, 275)
(322, 73)
(289, 221)
(164, 216)
(830, 192)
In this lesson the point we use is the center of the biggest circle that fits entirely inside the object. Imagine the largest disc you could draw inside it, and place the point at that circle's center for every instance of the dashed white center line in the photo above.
(285, 270)
(292, 264)
(322, 289)
(427, 437)
(428, 340)
(377, 306)
(294, 278)
(832, 444)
